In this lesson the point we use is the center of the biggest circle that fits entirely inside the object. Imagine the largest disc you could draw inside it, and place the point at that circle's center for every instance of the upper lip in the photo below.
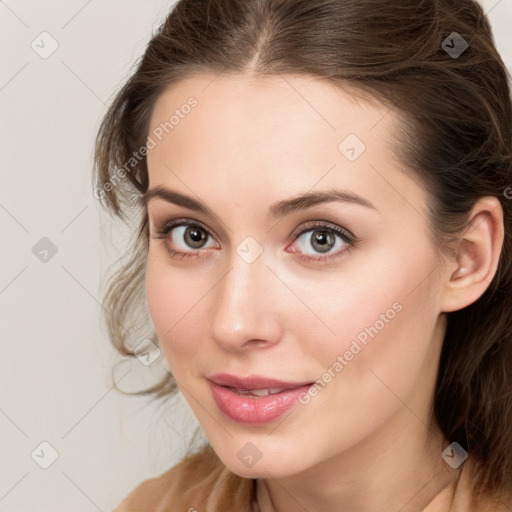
(253, 382)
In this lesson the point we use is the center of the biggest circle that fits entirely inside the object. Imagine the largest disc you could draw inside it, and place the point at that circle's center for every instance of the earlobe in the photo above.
(477, 256)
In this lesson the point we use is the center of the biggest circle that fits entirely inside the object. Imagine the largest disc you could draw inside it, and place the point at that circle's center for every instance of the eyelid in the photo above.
(164, 227)
(160, 215)
(311, 225)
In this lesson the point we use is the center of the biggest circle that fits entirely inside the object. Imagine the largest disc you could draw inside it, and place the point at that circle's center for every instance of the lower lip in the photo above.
(255, 410)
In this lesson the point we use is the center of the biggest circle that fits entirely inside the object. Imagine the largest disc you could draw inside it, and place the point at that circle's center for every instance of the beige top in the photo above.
(201, 483)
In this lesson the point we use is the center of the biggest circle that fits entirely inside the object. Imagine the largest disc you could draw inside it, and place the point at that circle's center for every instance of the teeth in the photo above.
(259, 392)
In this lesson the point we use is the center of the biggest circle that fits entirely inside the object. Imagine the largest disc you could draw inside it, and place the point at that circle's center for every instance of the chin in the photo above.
(274, 465)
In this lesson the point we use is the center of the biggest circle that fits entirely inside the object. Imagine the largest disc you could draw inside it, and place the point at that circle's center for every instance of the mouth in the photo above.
(254, 400)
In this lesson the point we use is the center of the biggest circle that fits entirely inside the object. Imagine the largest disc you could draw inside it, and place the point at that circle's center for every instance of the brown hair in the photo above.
(455, 134)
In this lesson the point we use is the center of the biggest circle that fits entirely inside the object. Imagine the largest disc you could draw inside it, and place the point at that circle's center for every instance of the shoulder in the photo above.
(199, 482)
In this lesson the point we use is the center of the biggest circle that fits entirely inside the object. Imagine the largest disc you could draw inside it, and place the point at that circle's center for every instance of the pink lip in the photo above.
(250, 409)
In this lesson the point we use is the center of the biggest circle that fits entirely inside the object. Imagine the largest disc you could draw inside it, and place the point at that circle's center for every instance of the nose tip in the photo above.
(242, 314)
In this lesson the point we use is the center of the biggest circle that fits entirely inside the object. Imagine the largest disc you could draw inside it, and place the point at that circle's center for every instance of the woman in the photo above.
(325, 247)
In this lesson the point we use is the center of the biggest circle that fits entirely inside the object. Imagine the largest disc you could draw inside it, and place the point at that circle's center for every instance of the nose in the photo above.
(245, 307)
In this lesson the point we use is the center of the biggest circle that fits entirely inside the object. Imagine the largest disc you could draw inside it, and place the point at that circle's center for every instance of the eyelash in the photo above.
(349, 239)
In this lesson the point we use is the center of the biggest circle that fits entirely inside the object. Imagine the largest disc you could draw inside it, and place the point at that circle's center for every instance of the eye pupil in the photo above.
(324, 239)
(194, 236)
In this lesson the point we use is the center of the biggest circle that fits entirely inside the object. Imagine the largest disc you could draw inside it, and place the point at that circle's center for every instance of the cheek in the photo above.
(160, 296)
(382, 353)
(173, 297)
(381, 316)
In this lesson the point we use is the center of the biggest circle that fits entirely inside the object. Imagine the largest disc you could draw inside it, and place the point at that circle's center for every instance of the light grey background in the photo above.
(55, 358)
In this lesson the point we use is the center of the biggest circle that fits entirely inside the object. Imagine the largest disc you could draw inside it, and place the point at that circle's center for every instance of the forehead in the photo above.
(264, 102)
(279, 133)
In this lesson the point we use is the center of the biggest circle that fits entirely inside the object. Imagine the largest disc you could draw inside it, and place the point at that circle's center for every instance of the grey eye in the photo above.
(322, 240)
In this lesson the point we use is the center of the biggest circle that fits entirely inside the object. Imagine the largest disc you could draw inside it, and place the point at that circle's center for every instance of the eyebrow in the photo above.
(276, 210)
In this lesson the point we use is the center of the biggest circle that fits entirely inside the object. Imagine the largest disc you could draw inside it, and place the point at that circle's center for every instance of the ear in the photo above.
(473, 265)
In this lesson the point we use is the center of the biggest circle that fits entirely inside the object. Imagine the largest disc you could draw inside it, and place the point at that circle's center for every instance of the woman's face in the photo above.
(287, 247)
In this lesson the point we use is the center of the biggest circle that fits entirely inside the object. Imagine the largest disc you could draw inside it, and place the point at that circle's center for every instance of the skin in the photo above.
(365, 442)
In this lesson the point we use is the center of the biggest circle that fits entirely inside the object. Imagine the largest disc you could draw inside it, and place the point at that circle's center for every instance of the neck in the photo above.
(400, 472)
